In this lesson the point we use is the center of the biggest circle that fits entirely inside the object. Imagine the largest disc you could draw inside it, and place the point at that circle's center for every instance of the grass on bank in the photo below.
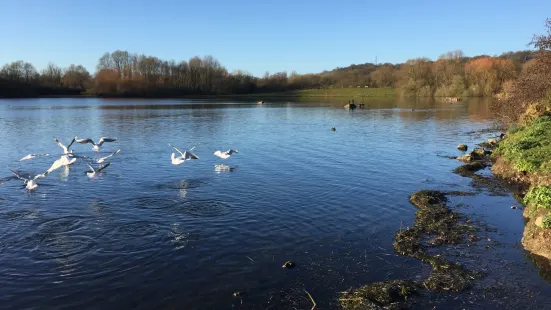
(334, 92)
(528, 148)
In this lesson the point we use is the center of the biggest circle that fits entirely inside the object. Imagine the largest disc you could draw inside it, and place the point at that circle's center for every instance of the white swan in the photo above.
(31, 182)
(225, 154)
(66, 149)
(94, 171)
(187, 155)
(95, 145)
(101, 160)
(31, 156)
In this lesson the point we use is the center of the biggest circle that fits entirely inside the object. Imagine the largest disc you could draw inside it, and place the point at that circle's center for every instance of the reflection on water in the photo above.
(147, 234)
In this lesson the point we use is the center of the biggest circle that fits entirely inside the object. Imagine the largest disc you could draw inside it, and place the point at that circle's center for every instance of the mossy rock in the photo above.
(478, 153)
(462, 147)
(425, 198)
(469, 169)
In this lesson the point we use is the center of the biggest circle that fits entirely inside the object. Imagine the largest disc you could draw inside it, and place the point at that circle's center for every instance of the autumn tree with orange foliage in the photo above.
(529, 96)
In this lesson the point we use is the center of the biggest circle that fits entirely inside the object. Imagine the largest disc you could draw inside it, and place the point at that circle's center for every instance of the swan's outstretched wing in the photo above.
(104, 158)
(16, 173)
(58, 163)
(106, 139)
(84, 141)
(182, 154)
(189, 155)
(196, 145)
(72, 141)
(65, 149)
(103, 167)
(91, 168)
(31, 156)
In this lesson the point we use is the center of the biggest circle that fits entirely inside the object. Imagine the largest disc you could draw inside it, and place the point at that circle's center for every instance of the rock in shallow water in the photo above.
(462, 147)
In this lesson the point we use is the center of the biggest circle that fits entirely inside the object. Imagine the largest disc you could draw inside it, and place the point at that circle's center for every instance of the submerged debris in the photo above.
(288, 264)
(435, 224)
(376, 295)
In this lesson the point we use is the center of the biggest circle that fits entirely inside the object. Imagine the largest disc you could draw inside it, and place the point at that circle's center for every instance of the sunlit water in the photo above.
(150, 235)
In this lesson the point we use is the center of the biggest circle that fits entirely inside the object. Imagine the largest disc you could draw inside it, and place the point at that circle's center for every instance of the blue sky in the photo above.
(259, 36)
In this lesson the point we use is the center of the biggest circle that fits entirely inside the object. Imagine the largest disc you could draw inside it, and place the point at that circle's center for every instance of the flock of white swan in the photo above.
(69, 157)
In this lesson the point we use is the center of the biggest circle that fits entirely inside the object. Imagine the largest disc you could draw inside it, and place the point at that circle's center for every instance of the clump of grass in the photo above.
(546, 223)
(379, 294)
(528, 147)
(539, 196)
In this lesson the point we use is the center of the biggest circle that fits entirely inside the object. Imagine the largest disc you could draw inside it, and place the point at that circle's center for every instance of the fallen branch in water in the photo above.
(312, 299)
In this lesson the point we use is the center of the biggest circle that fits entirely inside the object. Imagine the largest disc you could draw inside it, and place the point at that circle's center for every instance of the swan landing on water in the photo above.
(30, 182)
(186, 155)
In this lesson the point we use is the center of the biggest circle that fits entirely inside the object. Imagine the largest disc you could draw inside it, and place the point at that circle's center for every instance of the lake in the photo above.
(146, 234)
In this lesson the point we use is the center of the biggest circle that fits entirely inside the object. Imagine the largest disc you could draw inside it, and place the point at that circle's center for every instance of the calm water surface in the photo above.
(150, 235)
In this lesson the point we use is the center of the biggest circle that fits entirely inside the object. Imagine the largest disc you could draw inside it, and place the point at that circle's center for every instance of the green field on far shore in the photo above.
(333, 92)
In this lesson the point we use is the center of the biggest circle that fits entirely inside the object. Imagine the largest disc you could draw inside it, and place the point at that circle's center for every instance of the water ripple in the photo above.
(202, 208)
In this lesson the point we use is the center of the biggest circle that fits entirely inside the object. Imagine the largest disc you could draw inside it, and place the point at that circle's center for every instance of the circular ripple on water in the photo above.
(202, 208)
(61, 225)
(18, 214)
(125, 238)
(151, 202)
(135, 229)
(63, 246)
(181, 184)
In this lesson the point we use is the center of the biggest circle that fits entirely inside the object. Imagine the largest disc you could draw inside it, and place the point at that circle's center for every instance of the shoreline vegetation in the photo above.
(523, 156)
(121, 74)
(520, 159)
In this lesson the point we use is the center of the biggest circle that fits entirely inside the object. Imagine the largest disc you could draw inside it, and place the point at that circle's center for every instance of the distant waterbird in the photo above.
(186, 155)
(225, 154)
(31, 156)
(96, 146)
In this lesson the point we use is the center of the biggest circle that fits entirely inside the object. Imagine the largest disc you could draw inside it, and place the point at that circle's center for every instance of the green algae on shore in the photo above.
(435, 224)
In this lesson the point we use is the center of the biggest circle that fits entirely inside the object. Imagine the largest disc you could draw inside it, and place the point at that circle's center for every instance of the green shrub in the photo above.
(546, 221)
(528, 148)
(539, 196)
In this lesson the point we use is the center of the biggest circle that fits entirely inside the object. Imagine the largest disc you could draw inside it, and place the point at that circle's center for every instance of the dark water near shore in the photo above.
(150, 235)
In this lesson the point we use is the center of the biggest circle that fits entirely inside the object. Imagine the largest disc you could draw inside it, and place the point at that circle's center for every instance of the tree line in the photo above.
(529, 95)
(125, 74)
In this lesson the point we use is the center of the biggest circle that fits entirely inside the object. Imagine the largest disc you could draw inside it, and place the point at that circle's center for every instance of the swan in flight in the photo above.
(94, 171)
(66, 149)
(186, 155)
(30, 182)
(225, 154)
(95, 145)
(31, 156)
(101, 160)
